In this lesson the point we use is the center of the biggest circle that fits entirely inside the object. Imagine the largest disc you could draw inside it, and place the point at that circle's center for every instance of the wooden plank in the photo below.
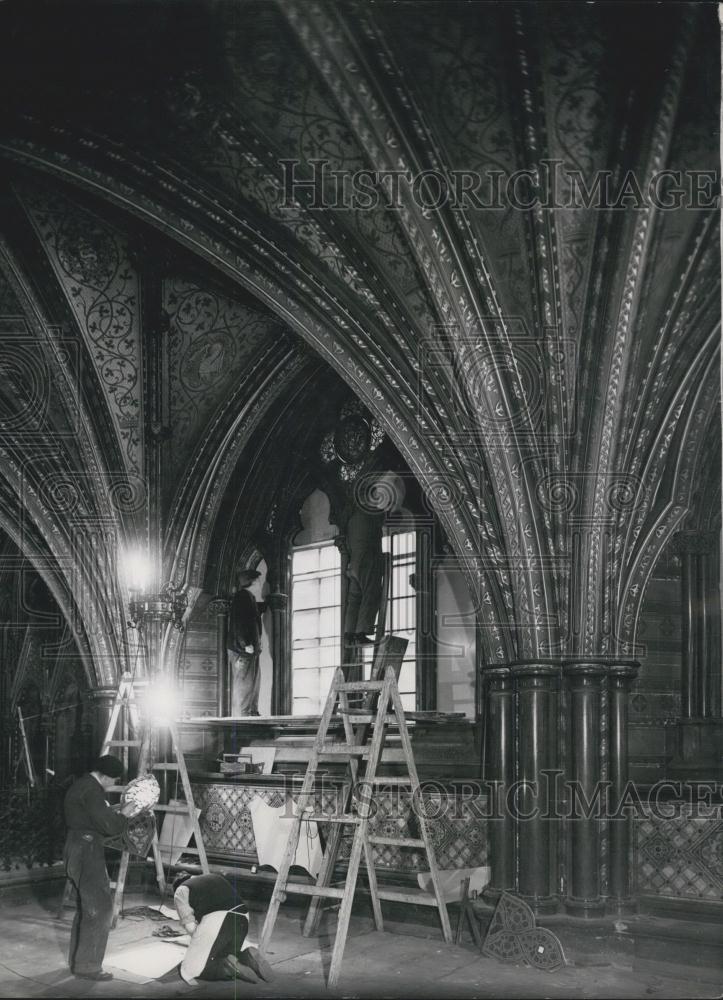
(419, 897)
(361, 686)
(350, 818)
(398, 841)
(380, 779)
(315, 890)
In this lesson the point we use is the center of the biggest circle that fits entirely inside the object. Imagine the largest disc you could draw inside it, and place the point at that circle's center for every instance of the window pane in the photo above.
(316, 620)
(304, 658)
(329, 654)
(306, 624)
(329, 591)
(328, 621)
(306, 594)
(315, 601)
(306, 684)
(305, 561)
(329, 557)
(407, 677)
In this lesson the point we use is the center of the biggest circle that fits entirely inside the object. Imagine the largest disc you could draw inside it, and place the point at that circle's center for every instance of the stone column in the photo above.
(714, 653)
(281, 692)
(583, 884)
(620, 677)
(98, 707)
(701, 667)
(499, 709)
(537, 729)
(219, 607)
(701, 729)
(688, 685)
(705, 667)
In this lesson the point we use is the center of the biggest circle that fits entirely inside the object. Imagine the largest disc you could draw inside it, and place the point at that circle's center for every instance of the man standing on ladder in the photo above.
(90, 820)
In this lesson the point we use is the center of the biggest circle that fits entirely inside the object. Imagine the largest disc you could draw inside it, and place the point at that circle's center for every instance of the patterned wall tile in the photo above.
(680, 856)
(458, 834)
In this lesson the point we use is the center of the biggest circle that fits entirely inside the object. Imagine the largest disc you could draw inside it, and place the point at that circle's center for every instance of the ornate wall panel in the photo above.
(680, 855)
(212, 343)
(459, 836)
(93, 265)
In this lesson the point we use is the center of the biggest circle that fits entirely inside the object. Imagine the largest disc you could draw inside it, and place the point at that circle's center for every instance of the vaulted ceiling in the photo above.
(549, 373)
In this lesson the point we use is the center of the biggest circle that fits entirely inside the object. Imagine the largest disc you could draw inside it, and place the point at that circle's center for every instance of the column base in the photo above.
(621, 906)
(585, 908)
(542, 905)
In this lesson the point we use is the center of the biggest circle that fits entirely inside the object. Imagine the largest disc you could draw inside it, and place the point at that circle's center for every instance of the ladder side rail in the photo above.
(359, 839)
(421, 815)
(334, 837)
(188, 792)
(118, 702)
(307, 789)
(383, 604)
(373, 885)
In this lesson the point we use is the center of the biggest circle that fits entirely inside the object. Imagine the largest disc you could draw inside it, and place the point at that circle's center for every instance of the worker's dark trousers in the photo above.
(84, 857)
(364, 571)
(363, 595)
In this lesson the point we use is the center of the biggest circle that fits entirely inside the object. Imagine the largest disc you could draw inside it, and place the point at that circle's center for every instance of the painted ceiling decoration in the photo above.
(545, 364)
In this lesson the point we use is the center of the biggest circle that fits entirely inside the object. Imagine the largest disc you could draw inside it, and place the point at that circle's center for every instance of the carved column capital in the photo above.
(219, 606)
(277, 601)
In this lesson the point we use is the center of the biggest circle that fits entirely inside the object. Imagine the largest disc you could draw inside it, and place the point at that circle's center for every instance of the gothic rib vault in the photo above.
(549, 375)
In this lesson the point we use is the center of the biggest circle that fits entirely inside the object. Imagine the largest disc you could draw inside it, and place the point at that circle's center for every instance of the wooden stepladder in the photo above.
(125, 699)
(358, 749)
(136, 732)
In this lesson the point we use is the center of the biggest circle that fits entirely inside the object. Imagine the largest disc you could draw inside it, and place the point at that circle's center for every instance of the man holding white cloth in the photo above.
(218, 923)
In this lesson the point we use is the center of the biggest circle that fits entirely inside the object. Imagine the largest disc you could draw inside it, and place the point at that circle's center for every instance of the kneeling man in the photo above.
(218, 923)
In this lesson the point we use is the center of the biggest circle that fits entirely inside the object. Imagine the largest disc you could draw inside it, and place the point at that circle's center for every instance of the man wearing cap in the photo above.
(90, 819)
(218, 923)
(244, 646)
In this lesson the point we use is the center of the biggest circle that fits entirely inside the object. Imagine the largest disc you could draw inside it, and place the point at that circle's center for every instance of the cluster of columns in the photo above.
(701, 666)
(557, 784)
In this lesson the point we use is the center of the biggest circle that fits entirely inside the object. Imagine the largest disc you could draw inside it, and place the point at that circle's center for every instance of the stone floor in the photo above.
(394, 964)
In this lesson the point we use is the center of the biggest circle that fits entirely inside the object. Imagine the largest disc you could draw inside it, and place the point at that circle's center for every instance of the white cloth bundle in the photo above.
(143, 791)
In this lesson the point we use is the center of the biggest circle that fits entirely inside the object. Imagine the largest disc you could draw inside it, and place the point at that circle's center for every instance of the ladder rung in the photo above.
(381, 780)
(408, 896)
(356, 718)
(314, 890)
(397, 841)
(321, 818)
(181, 810)
(164, 767)
(360, 686)
(123, 743)
(343, 748)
